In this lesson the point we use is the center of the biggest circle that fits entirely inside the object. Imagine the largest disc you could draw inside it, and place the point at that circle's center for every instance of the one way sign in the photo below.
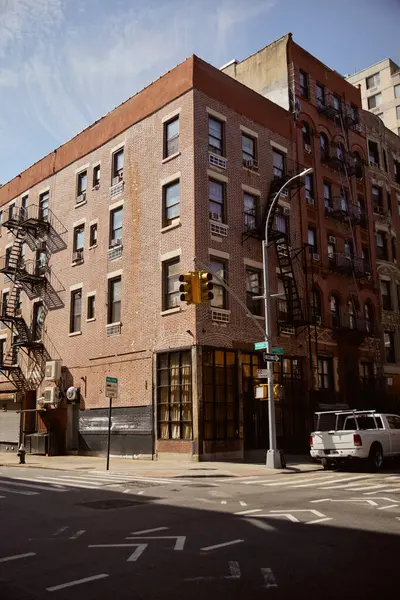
(271, 357)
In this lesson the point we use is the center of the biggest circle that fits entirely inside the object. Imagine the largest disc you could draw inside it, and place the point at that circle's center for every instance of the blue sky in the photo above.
(65, 63)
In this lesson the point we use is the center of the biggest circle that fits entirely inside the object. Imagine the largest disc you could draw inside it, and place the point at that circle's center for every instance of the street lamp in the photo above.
(274, 460)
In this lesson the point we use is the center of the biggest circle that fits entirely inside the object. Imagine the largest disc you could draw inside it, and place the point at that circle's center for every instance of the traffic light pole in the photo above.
(274, 457)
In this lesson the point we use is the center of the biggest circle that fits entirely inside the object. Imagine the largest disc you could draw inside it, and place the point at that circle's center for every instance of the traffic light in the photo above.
(186, 288)
(206, 286)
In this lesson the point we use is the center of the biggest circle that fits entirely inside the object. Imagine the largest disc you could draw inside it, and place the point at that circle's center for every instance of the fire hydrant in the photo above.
(21, 453)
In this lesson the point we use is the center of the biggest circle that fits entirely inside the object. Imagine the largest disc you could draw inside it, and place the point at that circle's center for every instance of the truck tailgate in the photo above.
(338, 440)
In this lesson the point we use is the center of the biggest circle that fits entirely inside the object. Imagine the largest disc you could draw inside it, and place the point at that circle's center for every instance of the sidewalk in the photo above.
(157, 468)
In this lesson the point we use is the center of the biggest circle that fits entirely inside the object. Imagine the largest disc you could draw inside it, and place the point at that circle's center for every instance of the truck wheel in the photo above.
(325, 463)
(375, 457)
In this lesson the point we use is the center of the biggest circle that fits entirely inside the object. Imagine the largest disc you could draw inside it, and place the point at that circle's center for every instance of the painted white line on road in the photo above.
(140, 548)
(286, 515)
(70, 484)
(357, 488)
(315, 512)
(269, 578)
(236, 479)
(207, 500)
(298, 481)
(248, 512)
(34, 486)
(179, 544)
(60, 530)
(223, 501)
(386, 489)
(242, 503)
(20, 493)
(55, 588)
(370, 502)
(140, 493)
(149, 530)
(319, 520)
(217, 546)
(339, 483)
(261, 524)
(320, 500)
(17, 557)
(77, 534)
(389, 506)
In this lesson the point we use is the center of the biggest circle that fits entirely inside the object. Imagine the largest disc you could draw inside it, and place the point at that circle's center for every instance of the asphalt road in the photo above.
(88, 535)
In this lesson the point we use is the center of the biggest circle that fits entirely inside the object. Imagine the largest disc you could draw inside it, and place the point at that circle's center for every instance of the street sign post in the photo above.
(111, 392)
(277, 351)
(260, 345)
(262, 373)
(271, 357)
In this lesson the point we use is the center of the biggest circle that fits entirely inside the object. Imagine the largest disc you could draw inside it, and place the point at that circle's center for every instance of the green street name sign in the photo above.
(277, 351)
(260, 345)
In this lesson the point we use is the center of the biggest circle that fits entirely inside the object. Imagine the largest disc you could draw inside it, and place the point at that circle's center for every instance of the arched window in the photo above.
(340, 151)
(334, 305)
(306, 131)
(316, 305)
(352, 308)
(394, 250)
(358, 165)
(324, 145)
(368, 316)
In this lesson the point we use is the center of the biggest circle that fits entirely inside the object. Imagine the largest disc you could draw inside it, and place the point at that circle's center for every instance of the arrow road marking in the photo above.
(140, 548)
(319, 520)
(269, 578)
(207, 548)
(76, 582)
(370, 502)
(315, 512)
(248, 512)
(17, 557)
(234, 570)
(388, 506)
(179, 544)
(287, 515)
(149, 530)
(77, 534)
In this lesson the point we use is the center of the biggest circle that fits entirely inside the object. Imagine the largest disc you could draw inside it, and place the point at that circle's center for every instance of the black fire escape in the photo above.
(30, 226)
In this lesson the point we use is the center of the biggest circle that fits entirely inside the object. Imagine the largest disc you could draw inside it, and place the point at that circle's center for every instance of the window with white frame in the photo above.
(75, 311)
(171, 202)
(117, 173)
(114, 300)
(170, 283)
(374, 101)
(171, 137)
(116, 226)
(254, 288)
(372, 81)
(216, 200)
(215, 136)
(218, 267)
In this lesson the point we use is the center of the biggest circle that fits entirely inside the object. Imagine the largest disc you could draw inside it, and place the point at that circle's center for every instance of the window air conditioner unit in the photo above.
(53, 370)
(357, 127)
(96, 187)
(81, 198)
(331, 239)
(307, 148)
(250, 163)
(116, 180)
(77, 256)
(215, 217)
(51, 395)
(114, 243)
(315, 256)
(311, 201)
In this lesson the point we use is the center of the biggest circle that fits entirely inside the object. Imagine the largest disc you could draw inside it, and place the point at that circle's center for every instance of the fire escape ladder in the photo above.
(283, 253)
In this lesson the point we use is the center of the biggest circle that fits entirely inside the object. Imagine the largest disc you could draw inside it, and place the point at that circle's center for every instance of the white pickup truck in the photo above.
(352, 434)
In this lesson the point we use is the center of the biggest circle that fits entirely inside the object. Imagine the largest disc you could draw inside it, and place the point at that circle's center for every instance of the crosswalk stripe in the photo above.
(21, 493)
(32, 485)
(337, 481)
(50, 480)
(298, 481)
(352, 487)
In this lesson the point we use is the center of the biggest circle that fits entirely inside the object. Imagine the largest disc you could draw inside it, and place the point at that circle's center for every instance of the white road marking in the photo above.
(140, 548)
(287, 515)
(21, 493)
(269, 578)
(179, 544)
(68, 484)
(315, 512)
(140, 493)
(319, 520)
(371, 502)
(237, 479)
(357, 488)
(55, 588)
(248, 512)
(388, 506)
(34, 486)
(60, 530)
(339, 483)
(77, 534)
(149, 530)
(386, 489)
(207, 548)
(223, 501)
(296, 481)
(261, 524)
(17, 557)
(242, 503)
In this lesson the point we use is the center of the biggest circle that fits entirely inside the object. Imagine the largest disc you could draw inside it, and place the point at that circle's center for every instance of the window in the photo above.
(325, 373)
(344, 200)
(75, 311)
(386, 295)
(24, 207)
(2, 350)
(4, 302)
(171, 200)
(390, 355)
(309, 187)
(385, 161)
(93, 235)
(91, 307)
(337, 103)
(96, 176)
(250, 212)
(340, 151)
(316, 305)
(220, 395)
(373, 152)
(1, 219)
(306, 133)
(44, 206)
(396, 90)
(281, 222)
(381, 246)
(216, 197)
(394, 250)
(171, 137)
(38, 320)
(334, 306)
(118, 166)
(377, 198)
(304, 91)
(320, 93)
(312, 240)
(352, 313)
(349, 248)
(116, 226)
(82, 185)
(358, 165)
(8, 256)
(372, 81)
(324, 145)
(114, 300)
(396, 168)
(331, 253)
(353, 114)
(11, 211)
(279, 164)
(220, 297)
(171, 284)
(174, 396)
(79, 238)
(15, 350)
(365, 257)
(249, 154)
(368, 316)
(398, 112)
(394, 421)
(215, 136)
(374, 101)
(328, 196)
(253, 288)
(398, 204)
